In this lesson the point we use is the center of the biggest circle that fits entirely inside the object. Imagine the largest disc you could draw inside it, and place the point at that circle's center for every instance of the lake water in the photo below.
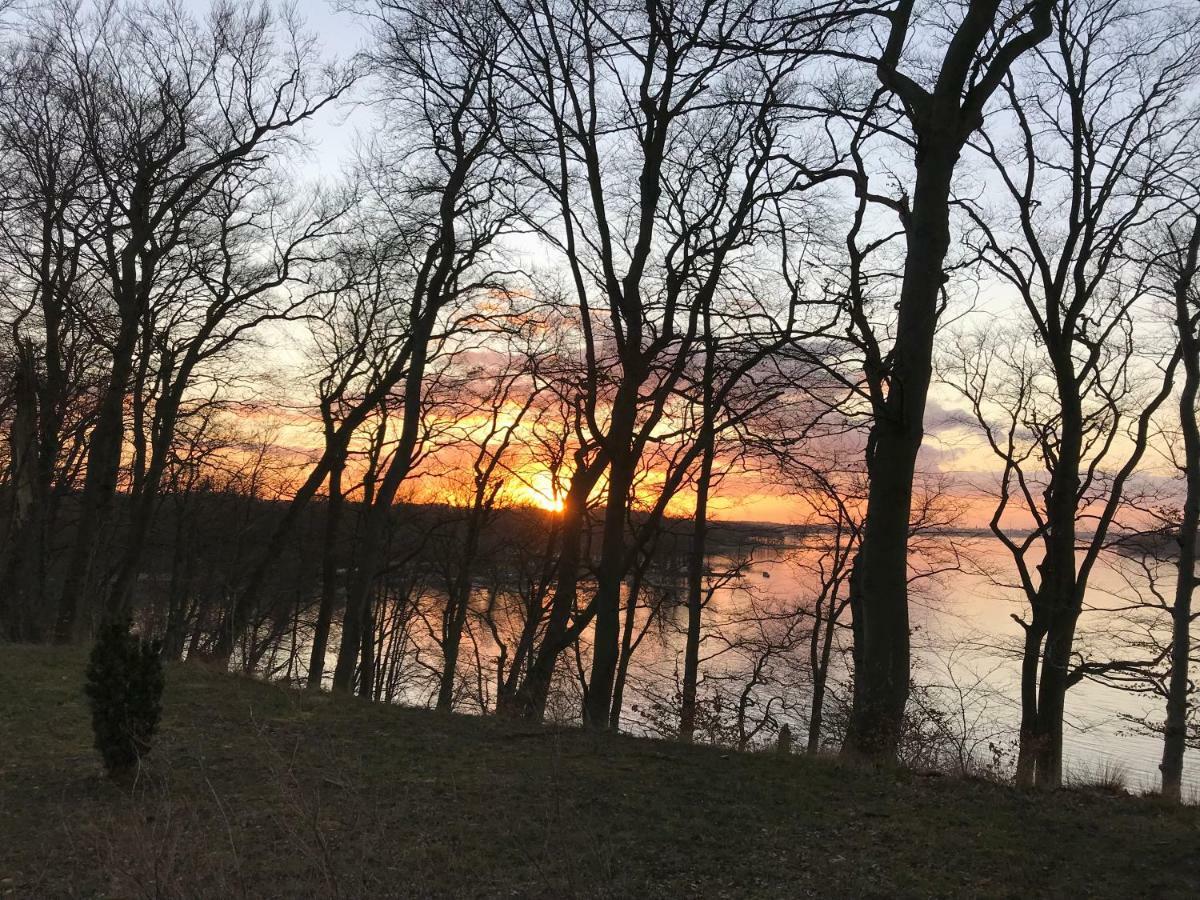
(966, 646)
(966, 660)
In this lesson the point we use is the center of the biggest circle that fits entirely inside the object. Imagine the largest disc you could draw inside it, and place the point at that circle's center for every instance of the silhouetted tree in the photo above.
(1055, 407)
(941, 105)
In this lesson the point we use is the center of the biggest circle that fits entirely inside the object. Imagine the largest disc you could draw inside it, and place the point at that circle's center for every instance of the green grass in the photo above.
(253, 790)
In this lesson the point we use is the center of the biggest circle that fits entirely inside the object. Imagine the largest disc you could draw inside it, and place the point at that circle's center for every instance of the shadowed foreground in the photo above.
(253, 790)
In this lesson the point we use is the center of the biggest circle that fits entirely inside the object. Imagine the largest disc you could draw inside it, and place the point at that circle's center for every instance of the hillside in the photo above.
(257, 791)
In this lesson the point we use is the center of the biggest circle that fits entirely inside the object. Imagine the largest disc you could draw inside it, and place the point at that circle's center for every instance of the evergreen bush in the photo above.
(124, 689)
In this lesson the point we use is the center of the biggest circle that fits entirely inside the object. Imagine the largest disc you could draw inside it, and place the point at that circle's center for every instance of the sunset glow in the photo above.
(863, 339)
(538, 490)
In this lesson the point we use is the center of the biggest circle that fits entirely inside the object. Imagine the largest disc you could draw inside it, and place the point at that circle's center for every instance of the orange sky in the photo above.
(740, 495)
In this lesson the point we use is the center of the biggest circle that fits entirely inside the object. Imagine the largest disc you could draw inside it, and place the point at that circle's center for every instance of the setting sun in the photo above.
(539, 490)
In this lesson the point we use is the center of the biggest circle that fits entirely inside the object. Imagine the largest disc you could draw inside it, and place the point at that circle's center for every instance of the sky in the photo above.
(952, 446)
(332, 136)
(332, 139)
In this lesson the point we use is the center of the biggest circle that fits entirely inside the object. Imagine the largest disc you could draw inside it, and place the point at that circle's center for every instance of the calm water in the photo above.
(966, 644)
(966, 648)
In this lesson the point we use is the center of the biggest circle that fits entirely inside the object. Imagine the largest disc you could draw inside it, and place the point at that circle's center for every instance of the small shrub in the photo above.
(783, 742)
(124, 689)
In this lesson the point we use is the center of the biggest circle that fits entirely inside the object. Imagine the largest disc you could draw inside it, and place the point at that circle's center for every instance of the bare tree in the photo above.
(971, 49)
(643, 252)
(439, 215)
(237, 272)
(491, 411)
(168, 109)
(1182, 264)
(449, 55)
(1100, 122)
(50, 309)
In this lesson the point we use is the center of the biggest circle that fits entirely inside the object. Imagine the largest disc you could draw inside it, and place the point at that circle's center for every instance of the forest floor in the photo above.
(253, 790)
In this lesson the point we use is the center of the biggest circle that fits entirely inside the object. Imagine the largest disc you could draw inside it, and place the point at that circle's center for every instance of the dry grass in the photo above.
(1107, 776)
(256, 791)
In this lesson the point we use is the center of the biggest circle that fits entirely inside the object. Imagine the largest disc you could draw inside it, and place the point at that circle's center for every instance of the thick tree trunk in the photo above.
(610, 572)
(942, 120)
(99, 488)
(1052, 698)
(882, 674)
(1175, 727)
(1059, 596)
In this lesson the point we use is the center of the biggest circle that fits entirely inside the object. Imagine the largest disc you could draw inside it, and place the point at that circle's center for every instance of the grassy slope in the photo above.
(256, 791)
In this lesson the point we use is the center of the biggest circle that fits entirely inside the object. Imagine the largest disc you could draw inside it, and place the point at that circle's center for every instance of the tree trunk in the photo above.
(359, 617)
(1060, 595)
(820, 671)
(143, 501)
(510, 676)
(529, 700)
(357, 591)
(459, 597)
(1052, 697)
(1175, 727)
(99, 487)
(24, 552)
(450, 644)
(329, 579)
(817, 715)
(367, 679)
(882, 674)
(359, 608)
(627, 648)
(1030, 660)
(695, 599)
(610, 571)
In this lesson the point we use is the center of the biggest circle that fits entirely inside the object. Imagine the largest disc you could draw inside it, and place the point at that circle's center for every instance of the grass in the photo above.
(256, 791)
(1106, 775)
